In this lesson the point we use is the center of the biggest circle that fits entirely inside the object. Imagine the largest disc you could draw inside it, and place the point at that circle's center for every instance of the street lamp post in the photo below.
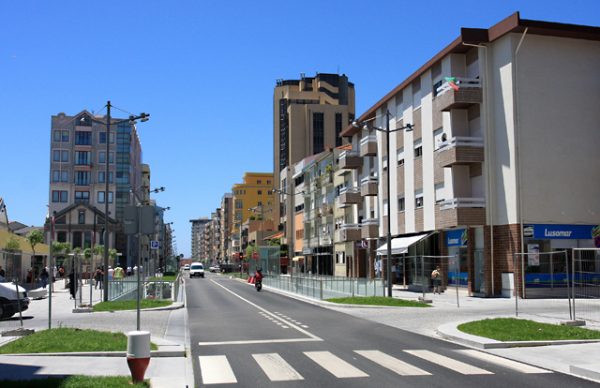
(387, 130)
(132, 118)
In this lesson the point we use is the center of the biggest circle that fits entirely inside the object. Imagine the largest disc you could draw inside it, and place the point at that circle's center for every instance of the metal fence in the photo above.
(586, 283)
(151, 289)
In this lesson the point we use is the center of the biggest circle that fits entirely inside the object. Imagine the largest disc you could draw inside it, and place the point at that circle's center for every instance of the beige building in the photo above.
(498, 161)
(308, 116)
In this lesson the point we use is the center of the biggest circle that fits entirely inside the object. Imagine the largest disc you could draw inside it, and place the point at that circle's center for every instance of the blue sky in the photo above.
(205, 71)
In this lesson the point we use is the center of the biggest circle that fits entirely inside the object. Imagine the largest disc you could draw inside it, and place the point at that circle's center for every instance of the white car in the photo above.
(196, 269)
(186, 267)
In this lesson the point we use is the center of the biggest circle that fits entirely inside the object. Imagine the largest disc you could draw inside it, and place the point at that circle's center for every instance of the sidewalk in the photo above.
(168, 366)
(441, 321)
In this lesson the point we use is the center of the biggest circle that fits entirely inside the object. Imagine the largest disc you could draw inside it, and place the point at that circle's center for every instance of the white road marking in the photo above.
(449, 363)
(514, 365)
(311, 337)
(276, 368)
(335, 365)
(395, 365)
(216, 370)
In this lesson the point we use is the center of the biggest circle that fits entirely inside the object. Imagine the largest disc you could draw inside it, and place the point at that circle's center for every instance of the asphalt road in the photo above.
(244, 338)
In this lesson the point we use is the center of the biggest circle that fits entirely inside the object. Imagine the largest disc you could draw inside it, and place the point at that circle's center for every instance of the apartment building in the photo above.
(308, 116)
(226, 225)
(77, 177)
(498, 158)
(198, 226)
(251, 198)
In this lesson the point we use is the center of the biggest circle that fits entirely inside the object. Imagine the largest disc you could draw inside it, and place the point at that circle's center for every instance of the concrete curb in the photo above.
(174, 306)
(582, 371)
(450, 332)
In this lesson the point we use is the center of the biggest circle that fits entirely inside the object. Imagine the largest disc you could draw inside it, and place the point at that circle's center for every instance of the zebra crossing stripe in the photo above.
(216, 370)
(449, 363)
(335, 365)
(514, 365)
(276, 368)
(395, 365)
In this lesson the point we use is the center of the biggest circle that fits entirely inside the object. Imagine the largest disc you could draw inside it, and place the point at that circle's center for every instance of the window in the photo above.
(64, 176)
(111, 157)
(82, 197)
(65, 136)
(259, 192)
(101, 137)
(400, 155)
(385, 209)
(83, 138)
(258, 182)
(419, 199)
(122, 177)
(59, 196)
(102, 175)
(338, 129)
(82, 178)
(239, 204)
(102, 157)
(418, 148)
(101, 197)
(64, 156)
(56, 156)
(56, 136)
(401, 204)
(82, 158)
(318, 133)
(81, 217)
(268, 182)
(55, 175)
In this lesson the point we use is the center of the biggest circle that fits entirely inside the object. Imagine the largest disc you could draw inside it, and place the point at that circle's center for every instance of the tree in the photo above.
(113, 254)
(35, 237)
(13, 246)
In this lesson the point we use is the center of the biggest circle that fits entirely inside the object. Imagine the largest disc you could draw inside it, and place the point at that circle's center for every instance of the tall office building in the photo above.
(77, 191)
(308, 116)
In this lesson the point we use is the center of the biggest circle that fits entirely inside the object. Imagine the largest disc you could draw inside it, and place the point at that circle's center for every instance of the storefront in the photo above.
(549, 258)
(458, 268)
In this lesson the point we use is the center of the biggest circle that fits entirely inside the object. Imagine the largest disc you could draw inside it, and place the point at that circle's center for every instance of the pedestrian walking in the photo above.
(436, 277)
(98, 278)
(2, 272)
(44, 277)
(72, 285)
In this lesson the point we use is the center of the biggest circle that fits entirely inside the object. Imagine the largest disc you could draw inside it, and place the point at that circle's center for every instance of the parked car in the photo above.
(9, 300)
(186, 267)
(215, 268)
(196, 269)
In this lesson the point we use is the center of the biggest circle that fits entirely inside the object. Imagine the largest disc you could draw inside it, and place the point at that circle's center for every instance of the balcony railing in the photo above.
(463, 93)
(348, 196)
(350, 160)
(369, 186)
(368, 145)
(370, 228)
(454, 203)
(348, 232)
(460, 150)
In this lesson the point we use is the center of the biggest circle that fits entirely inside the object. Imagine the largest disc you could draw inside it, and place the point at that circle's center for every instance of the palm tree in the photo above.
(34, 237)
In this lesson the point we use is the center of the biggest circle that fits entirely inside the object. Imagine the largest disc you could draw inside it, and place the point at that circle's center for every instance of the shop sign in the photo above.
(456, 238)
(564, 232)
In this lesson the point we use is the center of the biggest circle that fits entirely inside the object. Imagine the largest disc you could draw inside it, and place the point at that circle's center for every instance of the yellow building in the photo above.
(253, 197)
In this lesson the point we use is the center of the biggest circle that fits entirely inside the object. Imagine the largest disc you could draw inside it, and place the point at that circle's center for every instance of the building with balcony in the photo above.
(197, 239)
(226, 226)
(308, 116)
(504, 122)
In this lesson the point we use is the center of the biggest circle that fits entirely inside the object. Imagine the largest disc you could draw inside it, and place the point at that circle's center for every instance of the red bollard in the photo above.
(138, 354)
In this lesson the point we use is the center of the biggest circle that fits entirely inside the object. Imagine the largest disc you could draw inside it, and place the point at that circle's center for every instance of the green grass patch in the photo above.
(165, 278)
(131, 304)
(378, 301)
(511, 329)
(66, 340)
(75, 382)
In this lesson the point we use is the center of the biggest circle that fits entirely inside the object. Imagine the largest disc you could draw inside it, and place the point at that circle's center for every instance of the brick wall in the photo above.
(418, 173)
(507, 240)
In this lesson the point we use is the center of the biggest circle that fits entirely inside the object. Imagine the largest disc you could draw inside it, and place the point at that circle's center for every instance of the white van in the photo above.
(196, 269)
(9, 303)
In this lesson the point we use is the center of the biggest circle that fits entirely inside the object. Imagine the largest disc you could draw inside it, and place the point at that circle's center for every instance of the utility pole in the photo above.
(106, 179)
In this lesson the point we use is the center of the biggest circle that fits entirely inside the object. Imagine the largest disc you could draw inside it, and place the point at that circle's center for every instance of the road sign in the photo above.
(154, 244)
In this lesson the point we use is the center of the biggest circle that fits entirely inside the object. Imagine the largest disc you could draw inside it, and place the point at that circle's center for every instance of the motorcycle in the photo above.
(258, 279)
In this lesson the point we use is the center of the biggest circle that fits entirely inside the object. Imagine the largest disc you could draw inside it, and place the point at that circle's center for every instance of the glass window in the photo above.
(56, 156)
(55, 176)
(57, 136)
(101, 137)
(419, 199)
(338, 129)
(59, 196)
(82, 157)
(83, 138)
(400, 155)
(318, 132)
(81, 217)
(82, 196)
(101, 197)
(65, 136)
(64, 156)
(111, 157)
(102, 175)
(64, 176)
(418, 148)
(102, 157)
(82, 178)
(401, 204)
(259, 192)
